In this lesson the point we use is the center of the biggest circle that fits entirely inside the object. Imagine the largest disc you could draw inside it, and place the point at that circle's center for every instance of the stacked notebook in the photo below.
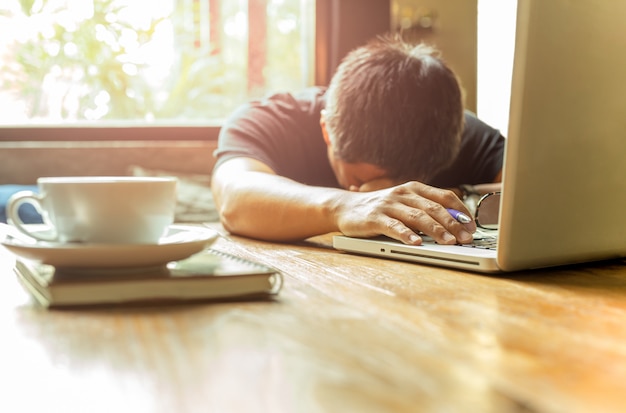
(209, 275)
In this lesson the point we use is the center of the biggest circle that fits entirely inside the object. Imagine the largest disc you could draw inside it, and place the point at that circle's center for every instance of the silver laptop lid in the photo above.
(564, 196)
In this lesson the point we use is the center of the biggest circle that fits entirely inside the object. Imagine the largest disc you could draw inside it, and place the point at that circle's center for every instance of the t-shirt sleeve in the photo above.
(283, 132)
(480, 158)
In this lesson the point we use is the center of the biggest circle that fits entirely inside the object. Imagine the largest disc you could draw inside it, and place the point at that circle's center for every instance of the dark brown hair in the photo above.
(397, 106)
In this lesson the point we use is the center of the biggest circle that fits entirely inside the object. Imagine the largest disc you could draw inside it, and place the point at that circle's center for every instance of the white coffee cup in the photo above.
(110, 210)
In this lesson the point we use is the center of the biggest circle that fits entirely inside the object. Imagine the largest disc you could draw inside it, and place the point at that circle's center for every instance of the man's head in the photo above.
(397, 107)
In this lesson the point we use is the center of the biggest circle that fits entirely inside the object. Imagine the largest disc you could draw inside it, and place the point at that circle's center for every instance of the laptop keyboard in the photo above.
(486, 240)
(483, 241)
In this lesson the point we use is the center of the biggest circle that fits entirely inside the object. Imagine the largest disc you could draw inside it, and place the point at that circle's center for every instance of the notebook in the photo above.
(208, 275)
(564, 185)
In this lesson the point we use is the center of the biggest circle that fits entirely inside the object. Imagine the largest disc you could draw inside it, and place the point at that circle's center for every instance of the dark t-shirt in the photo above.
(283, 131)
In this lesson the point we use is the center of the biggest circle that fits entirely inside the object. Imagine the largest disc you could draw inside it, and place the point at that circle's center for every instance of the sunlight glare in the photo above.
(237, 26)
(496, 44)
(286, 26)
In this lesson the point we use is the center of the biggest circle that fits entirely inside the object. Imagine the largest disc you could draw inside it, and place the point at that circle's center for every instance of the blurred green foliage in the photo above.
(90, 57)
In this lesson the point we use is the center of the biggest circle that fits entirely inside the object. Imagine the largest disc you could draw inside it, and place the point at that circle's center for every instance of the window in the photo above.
(496, 45)
(148, 62)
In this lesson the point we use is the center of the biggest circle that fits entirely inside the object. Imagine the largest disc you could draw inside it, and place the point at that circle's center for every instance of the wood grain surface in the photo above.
(346, 334)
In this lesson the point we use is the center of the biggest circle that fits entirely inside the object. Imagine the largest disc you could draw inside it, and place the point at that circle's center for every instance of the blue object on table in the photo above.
(27, 212)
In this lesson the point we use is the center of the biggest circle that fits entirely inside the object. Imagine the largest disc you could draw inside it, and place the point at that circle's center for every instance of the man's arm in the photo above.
(481, 189)
(477, 191)
(486, 188)
(253, 201)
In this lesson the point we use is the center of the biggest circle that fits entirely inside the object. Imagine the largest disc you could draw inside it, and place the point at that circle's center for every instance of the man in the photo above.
(369, 156)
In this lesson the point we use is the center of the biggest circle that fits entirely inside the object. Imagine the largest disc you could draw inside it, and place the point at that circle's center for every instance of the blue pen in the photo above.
(459, 216)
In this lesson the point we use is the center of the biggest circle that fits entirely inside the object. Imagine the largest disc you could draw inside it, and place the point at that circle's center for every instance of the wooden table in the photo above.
(346, 334)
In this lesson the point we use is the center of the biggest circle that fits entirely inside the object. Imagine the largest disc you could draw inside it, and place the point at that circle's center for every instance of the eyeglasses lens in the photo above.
(488, 211)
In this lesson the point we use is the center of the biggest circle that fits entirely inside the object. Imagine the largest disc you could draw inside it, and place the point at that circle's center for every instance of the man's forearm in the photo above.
(267, 206)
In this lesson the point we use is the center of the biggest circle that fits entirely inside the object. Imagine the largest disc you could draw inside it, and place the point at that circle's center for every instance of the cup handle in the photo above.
(13, 217)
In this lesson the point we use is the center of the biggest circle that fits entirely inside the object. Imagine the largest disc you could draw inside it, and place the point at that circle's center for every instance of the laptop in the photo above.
(563, 196)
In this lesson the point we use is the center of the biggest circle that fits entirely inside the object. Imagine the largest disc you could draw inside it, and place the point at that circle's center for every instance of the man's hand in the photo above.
(402, 212)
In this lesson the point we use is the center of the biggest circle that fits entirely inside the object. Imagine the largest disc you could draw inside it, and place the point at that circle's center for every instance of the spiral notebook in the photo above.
(208, 275)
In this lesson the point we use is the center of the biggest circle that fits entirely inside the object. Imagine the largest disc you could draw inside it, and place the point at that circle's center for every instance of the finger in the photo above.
(434, 220)
(461, 231)
(435, 202)
(397, 230)
(444, 197)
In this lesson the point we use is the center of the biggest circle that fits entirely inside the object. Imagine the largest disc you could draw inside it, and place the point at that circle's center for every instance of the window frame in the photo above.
(335, 34)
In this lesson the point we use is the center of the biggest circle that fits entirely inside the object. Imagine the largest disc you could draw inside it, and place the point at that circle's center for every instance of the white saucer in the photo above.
(181, 241)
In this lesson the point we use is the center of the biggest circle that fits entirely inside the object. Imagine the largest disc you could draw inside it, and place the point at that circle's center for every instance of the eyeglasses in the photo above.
(488, 211)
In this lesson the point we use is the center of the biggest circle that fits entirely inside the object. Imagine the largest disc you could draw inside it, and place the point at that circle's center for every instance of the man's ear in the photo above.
(323, 125)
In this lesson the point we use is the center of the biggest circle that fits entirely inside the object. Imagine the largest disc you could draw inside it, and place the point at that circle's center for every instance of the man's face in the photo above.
(360, 176)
